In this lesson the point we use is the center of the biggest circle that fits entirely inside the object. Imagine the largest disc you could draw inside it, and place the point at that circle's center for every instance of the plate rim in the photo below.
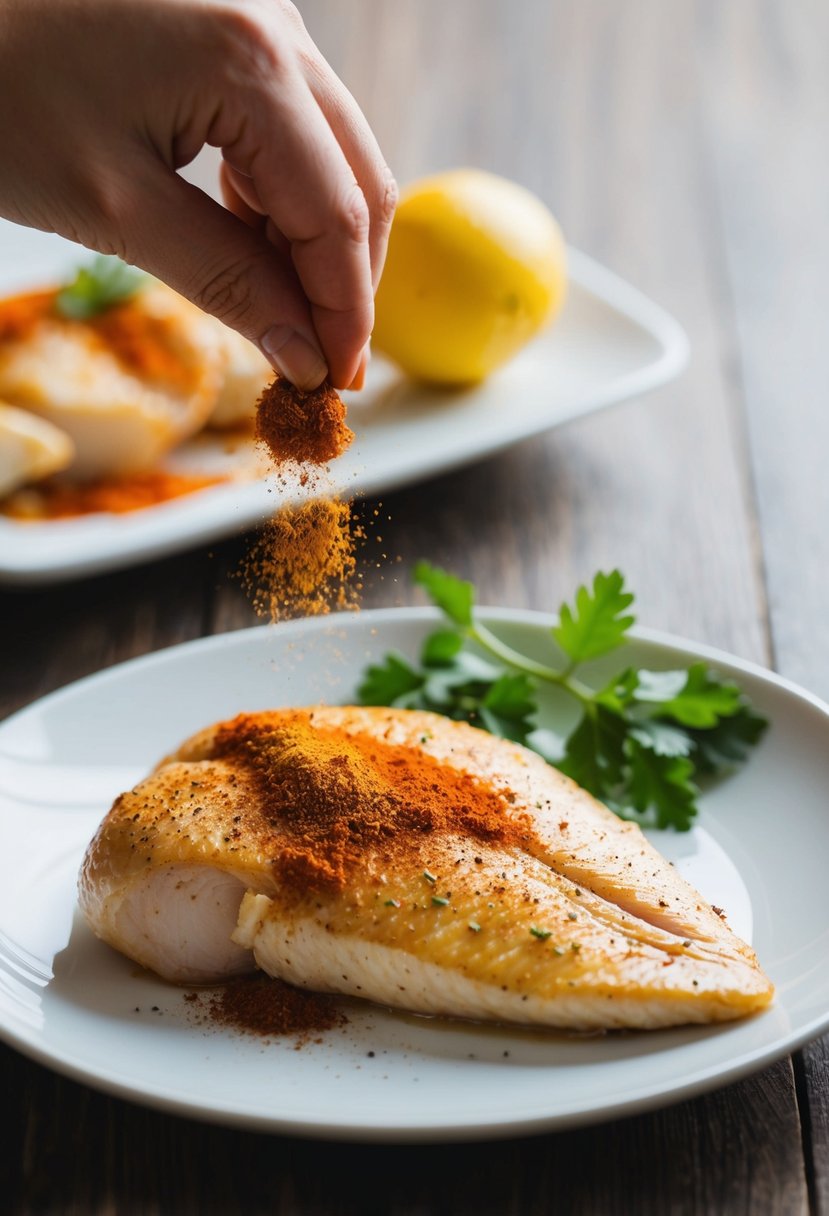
(663, 639)
(703, 1079)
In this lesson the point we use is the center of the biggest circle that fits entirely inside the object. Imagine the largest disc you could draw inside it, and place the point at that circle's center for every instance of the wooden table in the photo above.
(685, 145)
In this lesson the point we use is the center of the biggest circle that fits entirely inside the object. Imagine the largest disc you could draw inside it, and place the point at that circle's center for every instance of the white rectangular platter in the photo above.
(609, 344)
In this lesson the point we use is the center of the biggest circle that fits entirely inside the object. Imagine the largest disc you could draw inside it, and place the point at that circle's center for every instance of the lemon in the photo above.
(475, 267)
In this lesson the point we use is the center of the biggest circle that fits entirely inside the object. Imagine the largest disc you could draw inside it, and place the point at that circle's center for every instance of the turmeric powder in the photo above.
(303, 561)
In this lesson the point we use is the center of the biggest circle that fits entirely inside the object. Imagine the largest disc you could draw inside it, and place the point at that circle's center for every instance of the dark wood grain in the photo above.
(70, 1149)
(685, 146)
(768, 124)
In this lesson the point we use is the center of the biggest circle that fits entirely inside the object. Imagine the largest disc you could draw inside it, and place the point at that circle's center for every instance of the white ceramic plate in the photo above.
(609, 344)
(67, 1000)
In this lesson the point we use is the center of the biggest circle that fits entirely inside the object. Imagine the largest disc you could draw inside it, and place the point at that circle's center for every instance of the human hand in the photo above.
(104, 99)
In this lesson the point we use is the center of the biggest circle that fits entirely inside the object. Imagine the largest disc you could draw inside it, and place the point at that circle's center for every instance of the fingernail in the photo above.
(360, 378)
(293, 357)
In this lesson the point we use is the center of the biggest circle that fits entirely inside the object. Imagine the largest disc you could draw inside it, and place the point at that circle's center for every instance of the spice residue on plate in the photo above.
(267, 1007)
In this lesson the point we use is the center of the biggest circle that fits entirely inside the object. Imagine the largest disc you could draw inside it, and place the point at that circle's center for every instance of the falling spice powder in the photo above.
(303, 561)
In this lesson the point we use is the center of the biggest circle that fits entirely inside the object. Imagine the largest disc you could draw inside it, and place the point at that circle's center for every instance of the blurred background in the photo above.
(683, 145)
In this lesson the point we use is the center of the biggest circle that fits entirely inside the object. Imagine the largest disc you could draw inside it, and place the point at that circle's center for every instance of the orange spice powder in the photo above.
(303, 561)
(116, 495)
(268, 1007)
(20, 314)
(145, 345)
(141, 342)
(329, 799)
(302, 428)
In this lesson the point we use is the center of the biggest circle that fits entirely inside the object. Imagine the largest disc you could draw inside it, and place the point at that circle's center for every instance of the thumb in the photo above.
(177, 233)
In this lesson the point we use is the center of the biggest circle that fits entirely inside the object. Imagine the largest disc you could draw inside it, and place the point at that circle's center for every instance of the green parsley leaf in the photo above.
(594, 753)
(441, 648)
(661, 787)
(598, 622)
(387, 683)
(638, 743)
(452, 595)
(620, 692)
(106, 281)
(703, 699)
(727, 744)
(662, 738)
(509, 707)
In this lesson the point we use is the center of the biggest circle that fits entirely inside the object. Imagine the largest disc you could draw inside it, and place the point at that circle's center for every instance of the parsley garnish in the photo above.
(640, 742)
(104, 282)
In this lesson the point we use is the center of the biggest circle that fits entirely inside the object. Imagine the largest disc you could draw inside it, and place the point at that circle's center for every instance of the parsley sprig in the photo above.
(106, 281)
(640, 741)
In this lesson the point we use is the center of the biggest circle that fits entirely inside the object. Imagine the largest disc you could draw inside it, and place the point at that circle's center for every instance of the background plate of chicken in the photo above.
(363, 1070)
(125, 419)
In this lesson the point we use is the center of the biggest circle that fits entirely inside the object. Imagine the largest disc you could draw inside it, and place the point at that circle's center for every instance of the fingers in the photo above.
(224, 266)
(240, 197)
(360, 379)
(363, 154)
(300, 152)
(311, 196)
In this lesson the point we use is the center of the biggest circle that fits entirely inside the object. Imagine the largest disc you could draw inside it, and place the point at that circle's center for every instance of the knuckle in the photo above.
(249, 48)
(225, 293)
(291, 14)
(107, 215)
(388, 196)
(351, 215)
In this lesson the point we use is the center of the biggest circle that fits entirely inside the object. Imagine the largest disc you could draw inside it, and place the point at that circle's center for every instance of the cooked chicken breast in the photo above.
(416, 862)
(126, 385)
(30, 448)
(245, 373)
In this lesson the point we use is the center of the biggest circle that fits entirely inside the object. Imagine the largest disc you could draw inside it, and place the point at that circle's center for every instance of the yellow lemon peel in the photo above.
(476, 267)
